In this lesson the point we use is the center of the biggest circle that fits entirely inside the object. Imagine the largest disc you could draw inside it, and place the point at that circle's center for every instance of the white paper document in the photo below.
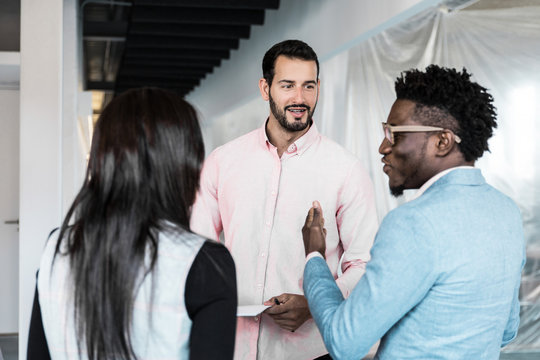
(250, 310)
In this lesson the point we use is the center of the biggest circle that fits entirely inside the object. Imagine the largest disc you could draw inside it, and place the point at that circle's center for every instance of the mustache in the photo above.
(297, 106)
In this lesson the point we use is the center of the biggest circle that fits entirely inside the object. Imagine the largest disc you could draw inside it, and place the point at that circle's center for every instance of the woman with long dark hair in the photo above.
(124, 277)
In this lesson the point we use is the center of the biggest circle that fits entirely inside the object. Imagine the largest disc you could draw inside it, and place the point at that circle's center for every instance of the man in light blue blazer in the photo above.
(444, 277)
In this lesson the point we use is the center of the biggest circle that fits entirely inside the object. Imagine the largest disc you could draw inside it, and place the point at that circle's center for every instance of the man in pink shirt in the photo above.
(255, 190)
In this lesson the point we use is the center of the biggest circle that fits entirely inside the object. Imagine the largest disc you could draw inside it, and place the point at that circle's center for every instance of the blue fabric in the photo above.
(443, 281)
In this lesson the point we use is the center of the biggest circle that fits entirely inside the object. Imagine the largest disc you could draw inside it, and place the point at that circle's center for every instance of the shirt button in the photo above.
(259, 286)
(273, 193)
(268, 223)
(263, 254)
(256, 318)
(291, 148)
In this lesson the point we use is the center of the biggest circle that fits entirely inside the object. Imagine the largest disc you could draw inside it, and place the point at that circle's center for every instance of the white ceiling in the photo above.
(10, 60)
(10, 23)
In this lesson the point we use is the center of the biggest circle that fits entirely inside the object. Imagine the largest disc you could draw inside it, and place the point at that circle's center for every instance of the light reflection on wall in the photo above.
(523, 104)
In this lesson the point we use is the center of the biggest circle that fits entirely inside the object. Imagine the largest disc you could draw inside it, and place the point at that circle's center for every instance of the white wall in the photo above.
(76, 108)
(52, 134)
(41, 119)
(9, 190)
(329, 26)
(9, 210)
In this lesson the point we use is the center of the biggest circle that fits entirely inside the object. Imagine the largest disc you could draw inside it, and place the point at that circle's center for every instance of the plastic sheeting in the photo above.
(501, 48)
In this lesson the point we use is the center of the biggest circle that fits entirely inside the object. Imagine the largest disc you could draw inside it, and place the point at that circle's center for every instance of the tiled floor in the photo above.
(9, 347)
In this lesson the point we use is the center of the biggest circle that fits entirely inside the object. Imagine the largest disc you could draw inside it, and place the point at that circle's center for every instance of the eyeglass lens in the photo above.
(388, 134)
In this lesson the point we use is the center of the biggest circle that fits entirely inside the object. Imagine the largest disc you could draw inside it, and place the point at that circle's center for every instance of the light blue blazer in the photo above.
(443, 281)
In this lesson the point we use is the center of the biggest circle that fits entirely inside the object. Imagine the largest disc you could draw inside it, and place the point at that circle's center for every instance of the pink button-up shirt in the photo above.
(260, 201)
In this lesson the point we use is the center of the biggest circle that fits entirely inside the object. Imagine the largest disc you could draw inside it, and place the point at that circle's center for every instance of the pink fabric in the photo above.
(260, 202)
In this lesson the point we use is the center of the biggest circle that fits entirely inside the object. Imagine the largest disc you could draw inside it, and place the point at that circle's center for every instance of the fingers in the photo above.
(287, 325)
(283, 298)
(277, 304)
(313, 231)
(291, 313)
(280, 298)
(309, 218)
(291, 303)
(317, 214)
(277, 313)
(275, 310)
(314, 214)
(289, 316)
(289, 320)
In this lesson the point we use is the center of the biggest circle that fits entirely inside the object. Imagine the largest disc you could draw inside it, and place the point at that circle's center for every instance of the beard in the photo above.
(281, 116)
(397, 191)
(413, 180)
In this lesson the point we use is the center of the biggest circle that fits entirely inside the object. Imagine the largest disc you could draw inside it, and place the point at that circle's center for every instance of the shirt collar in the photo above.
(300, 145)
(431, 181)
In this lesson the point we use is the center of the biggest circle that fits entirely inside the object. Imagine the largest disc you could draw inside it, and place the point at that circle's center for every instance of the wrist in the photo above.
(313, 254)
(318, 249)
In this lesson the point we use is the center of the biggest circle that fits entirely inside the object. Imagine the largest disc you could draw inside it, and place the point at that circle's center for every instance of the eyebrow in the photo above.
(292, 82)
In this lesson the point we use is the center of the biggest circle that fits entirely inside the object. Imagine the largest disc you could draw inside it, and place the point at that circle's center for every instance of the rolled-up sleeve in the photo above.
(357, 223)
(205, 214)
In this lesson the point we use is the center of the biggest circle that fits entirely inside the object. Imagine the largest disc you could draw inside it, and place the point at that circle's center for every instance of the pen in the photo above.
(276, 301)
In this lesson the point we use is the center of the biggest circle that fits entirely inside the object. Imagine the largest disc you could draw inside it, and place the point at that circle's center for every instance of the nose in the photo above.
(299, 96)
(385, 147)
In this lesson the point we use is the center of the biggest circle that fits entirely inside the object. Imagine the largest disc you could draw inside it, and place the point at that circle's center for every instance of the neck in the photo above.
(280, 137)
(452, 161)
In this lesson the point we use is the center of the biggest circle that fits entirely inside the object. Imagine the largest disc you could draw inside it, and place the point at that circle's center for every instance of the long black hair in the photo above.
(143, 173)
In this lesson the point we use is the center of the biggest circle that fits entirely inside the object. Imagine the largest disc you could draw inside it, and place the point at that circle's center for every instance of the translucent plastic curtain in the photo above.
(501, 48)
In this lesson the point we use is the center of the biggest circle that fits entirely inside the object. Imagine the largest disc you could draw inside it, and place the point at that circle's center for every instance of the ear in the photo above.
(445, 142)
(265, 89)
(318, 88)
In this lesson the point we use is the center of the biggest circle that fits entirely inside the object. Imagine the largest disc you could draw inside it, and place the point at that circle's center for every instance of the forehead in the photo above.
(287, 68)
(401, 113)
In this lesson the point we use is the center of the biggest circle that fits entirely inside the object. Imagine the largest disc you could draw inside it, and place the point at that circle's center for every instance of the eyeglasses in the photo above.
(389, 130)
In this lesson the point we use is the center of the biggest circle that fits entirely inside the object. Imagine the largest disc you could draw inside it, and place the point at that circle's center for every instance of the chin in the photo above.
(294, 120)
(397, 190)
(297, 125)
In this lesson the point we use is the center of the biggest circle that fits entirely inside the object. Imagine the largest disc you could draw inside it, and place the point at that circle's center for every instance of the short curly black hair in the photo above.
(447, 98)
(295, 49)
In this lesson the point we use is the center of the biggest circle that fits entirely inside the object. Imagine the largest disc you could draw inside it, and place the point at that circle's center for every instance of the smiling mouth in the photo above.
(297, 112)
